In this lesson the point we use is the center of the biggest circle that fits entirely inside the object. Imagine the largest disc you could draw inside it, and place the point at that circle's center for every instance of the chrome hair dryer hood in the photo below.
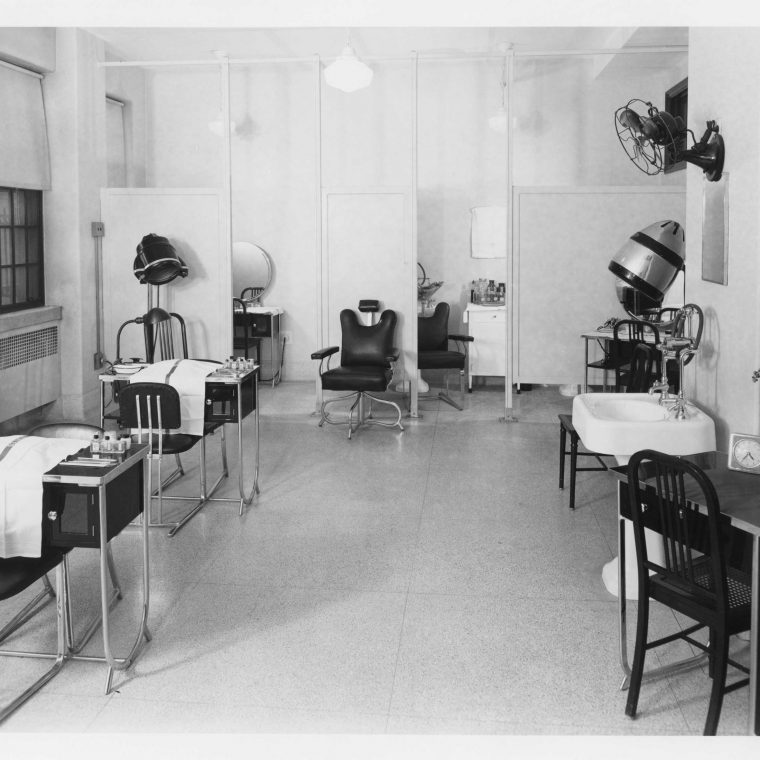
(651, 259)
(157, 262)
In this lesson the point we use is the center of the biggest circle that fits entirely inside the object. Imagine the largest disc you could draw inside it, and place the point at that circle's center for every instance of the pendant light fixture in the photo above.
(498, 122)
(347, 72)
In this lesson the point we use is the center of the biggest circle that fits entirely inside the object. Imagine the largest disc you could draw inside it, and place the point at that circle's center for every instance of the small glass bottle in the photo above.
(106, 445)
(126, 438)
(95, 444)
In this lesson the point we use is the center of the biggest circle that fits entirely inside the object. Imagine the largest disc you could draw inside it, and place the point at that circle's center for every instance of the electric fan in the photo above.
(648, 135)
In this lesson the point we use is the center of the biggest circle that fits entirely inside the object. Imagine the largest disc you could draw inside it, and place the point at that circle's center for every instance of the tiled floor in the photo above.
(417, 583)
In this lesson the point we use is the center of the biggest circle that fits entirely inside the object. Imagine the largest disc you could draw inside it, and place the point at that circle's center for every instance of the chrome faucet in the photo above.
(662, 387)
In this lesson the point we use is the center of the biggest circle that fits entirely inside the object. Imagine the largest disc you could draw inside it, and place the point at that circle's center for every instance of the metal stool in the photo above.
(565, 427)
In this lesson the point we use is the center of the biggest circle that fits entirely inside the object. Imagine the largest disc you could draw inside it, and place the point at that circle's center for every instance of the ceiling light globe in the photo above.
(347, 72)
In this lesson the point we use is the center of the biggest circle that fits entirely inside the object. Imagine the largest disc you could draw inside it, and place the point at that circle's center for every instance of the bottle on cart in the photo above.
(95, 444)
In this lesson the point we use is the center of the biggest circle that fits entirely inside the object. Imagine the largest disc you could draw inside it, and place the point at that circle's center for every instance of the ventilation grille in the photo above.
(27, 347)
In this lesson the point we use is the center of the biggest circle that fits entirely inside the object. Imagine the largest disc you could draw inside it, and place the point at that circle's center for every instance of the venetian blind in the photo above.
(24, 156)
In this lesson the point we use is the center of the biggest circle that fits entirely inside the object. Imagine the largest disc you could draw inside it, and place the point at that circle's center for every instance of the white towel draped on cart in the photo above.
(188, 377)
(24, 459)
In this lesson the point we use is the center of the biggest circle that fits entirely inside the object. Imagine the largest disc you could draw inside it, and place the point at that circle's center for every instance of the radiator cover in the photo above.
(30, 370)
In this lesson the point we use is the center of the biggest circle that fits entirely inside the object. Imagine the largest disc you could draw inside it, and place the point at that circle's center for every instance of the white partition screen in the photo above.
(366, 255)
(565, 238)
(195, 223)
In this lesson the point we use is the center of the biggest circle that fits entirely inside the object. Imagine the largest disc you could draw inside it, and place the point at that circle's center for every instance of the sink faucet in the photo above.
(662, 387)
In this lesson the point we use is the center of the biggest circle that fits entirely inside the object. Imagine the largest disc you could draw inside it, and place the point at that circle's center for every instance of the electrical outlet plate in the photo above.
(98, 229)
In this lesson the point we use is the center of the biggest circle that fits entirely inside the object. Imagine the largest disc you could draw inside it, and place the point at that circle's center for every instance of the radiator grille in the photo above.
(27, 347)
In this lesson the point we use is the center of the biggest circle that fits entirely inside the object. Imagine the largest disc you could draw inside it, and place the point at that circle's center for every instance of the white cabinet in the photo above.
(487, 325)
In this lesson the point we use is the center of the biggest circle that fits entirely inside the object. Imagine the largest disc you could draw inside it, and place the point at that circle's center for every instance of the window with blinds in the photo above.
(21, 258)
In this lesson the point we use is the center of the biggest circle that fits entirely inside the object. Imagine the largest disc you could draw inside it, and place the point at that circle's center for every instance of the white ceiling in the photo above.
(176, 43)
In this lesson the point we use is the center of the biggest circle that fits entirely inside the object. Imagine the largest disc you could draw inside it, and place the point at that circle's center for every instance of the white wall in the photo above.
(723, 64)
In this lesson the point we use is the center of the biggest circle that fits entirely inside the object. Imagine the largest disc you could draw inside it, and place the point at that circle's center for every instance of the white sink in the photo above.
(624, 423)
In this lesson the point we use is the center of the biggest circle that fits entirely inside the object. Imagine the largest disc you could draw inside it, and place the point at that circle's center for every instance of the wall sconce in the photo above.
(347, 72)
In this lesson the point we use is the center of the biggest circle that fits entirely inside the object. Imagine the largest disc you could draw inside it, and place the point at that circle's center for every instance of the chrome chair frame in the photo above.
(364, 414)
(461, 342)
(63, 641)
(155, 432)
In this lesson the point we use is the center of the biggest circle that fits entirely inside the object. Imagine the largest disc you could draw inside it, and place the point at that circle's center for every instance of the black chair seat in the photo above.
(440, 360)
(357, 378)
(177, 443)
(17, 573)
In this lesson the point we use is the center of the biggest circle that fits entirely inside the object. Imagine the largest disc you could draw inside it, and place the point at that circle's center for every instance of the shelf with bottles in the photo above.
(487, 292)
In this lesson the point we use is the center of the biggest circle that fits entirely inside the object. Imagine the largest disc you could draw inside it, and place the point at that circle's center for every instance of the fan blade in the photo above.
(630, 119)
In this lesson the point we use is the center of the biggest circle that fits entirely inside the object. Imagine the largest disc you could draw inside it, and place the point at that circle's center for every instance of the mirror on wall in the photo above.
(715, 231)
(251, 271)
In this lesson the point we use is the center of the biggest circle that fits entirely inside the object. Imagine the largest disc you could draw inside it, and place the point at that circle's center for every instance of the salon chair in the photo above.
(367, 355)
(433, 352)
(153, 411)
(164, 333)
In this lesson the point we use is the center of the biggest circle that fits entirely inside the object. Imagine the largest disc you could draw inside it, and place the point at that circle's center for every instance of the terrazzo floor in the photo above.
(428, 586)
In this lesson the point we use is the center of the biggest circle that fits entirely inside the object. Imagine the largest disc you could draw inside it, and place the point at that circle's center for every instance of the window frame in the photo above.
(676, 104)
(12, 261)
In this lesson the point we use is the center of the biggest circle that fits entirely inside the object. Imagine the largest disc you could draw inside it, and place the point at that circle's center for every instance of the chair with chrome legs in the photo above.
(16, 575)
(153, 410)
(367, 355)
(433, 352)
(693, 577)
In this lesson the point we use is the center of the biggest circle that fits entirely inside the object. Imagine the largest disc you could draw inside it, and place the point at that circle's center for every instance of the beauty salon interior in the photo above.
(304, 334)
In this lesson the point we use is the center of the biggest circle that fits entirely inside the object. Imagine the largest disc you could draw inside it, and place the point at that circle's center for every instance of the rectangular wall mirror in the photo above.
(715, 231)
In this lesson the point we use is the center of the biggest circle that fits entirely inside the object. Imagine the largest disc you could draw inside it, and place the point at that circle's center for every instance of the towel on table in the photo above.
(488, 232)
(24, 459)
(188, 377)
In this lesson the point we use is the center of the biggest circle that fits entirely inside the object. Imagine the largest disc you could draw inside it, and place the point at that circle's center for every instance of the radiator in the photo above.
(30, 370)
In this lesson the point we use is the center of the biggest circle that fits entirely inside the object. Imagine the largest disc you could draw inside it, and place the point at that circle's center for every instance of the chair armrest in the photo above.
(325, 352)
(465, 338)
(394, 354)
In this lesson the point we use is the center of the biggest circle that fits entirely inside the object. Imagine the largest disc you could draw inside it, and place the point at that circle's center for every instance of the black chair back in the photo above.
(626, 334)
(159, 335)
(433, 331)
(366, 345)
(693, 568)
(642, 369)
(150, 405)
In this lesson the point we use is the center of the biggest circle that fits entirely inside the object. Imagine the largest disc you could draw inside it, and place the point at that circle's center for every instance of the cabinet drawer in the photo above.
(487, 317)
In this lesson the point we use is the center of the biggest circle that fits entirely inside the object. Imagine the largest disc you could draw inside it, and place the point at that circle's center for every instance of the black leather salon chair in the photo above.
(153, 411)
(434, 352)
(367, 354)
(692, 578)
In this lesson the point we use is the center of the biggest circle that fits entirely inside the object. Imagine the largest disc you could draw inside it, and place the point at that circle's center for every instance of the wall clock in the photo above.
(744, 452)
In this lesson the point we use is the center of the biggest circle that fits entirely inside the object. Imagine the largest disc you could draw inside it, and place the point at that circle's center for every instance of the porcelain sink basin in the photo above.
(623, 423)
